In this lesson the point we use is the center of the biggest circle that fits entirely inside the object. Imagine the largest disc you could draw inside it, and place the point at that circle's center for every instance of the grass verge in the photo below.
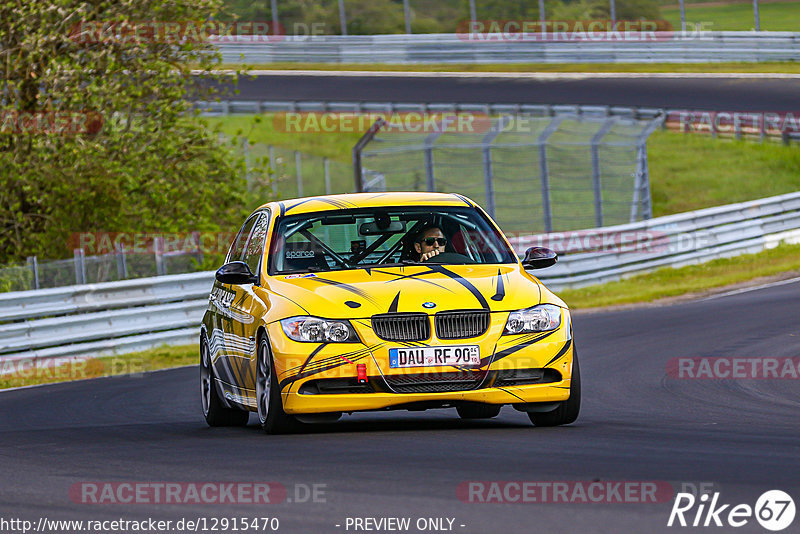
(29, 373)
(774, 16)
(779, 67)
(671, 282)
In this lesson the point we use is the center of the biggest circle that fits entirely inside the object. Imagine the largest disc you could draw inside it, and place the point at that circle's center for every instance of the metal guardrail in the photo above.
(672, 47)
(132, 315)
(102, 319)
(615, 252)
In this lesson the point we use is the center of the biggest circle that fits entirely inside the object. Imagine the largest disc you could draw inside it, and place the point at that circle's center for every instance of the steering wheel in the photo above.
(449, 257)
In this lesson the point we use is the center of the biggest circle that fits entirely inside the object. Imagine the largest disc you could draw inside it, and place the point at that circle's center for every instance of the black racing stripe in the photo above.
(335, 203)
(347, 287)
(528, 341)
(464, 282)
(293, 302)
(312, 372)
(517, 396)
(563, 351)
(501, 289)
(395, 302)
(399, 277)
(463, 199)
(356, 354)
(297, 204)
(283, 208)
(313, 353)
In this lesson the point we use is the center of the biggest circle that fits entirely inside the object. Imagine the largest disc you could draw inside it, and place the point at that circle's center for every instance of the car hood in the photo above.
(361, 293)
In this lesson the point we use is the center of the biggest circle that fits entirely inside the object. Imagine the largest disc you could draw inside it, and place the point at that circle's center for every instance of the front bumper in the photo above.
(294, 403)
(299, 365)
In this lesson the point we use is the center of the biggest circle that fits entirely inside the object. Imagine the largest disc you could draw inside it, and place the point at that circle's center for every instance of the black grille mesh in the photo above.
(435, 382)
(461, 324)
(402, 326)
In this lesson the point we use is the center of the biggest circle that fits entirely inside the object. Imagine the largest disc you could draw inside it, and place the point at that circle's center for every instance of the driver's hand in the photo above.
(429, 255)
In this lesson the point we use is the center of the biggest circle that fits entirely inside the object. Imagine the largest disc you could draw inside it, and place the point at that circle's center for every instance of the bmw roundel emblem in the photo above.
(428, 305)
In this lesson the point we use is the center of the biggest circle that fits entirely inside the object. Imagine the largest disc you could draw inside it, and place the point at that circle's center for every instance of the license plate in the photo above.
(433, 356)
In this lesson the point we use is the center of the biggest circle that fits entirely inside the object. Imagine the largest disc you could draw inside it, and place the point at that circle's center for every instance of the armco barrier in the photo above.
(131, 315)
(670, 241)
(672, 47)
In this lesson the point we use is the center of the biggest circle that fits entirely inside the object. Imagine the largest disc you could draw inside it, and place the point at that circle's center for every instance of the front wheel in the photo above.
(268, 394)
(567, 412)
(214, 410)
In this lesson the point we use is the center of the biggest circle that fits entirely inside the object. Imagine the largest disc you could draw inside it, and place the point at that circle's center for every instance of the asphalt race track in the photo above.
(637, 424)
(720, 93)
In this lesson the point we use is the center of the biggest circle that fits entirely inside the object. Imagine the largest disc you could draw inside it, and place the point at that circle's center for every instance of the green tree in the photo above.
(143, 162)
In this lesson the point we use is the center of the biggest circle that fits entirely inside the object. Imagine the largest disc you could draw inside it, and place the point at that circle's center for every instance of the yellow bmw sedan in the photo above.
(382, 301)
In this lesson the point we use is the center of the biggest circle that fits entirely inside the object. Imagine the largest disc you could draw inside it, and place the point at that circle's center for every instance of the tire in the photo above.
(568, 411)
(268, 395)
(214, 410)
(478, 411)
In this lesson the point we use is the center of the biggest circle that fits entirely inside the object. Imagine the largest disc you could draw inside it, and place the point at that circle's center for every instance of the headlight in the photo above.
(316, 330)
(541, 318)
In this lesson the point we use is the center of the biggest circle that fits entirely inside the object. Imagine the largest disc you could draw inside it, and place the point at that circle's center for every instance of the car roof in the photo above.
(366, 200)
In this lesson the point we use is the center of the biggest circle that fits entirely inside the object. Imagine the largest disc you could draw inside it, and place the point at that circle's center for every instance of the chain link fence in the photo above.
(293, 173)
(532, 174)
(91, 269)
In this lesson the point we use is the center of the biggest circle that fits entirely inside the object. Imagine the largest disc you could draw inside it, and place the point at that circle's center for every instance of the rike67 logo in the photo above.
(774, 510)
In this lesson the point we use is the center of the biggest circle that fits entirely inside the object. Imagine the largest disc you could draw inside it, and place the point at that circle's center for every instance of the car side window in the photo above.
(237, 249)
(255, 245)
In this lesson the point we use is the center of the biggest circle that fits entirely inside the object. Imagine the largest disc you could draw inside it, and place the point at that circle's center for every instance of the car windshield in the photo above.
(371, 237)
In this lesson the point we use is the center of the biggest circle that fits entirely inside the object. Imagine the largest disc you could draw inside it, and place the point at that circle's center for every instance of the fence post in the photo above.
(598, 190)
(274, 170)
(641, 186)
(80, 266)
(158, 249)
(369, 135)
(299, 173)
(274, 8)
(430, 139)
(756, 15)
(613, 14)
(683, 18)
(407, 15)
(488, 175)
(327, 170)
(246, 150)
(342, 18)
(34, 263)
(543, 172)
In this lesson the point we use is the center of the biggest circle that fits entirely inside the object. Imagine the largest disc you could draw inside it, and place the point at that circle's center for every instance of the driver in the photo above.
(430, 242)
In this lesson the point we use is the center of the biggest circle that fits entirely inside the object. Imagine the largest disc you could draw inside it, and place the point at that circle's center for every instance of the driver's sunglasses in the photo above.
(430, 241)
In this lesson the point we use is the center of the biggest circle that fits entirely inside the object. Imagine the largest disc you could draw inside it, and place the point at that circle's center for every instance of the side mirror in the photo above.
(539, 258)
(236, 272)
